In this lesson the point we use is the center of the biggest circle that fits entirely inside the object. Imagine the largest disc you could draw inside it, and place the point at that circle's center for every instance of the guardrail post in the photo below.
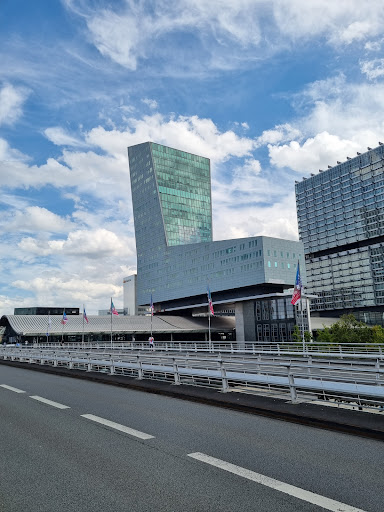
(309, 364)
(278, 350)
(259, 361)
(377, 366)
(341, 351)
(253, 349)
(195, 347)
(70, 364)
(112, 368)
(140, 369)
(224, 380)
(292, 387)
(55, 360)
(176, 372)
(89, 365)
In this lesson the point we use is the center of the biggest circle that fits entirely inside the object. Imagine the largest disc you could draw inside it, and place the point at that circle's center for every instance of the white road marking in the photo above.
(117, 426)
(11, 388)
(50, 402)
(301, 494)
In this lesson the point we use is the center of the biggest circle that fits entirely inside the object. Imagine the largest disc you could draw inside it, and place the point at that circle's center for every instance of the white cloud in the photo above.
(70, 291)
(11, 102)
(372, 68)
(253, 29)
(152, 104)
(315, 153)
(279, 133)
(35, 219)
(59, 137)
(97, 244)
(341, 22)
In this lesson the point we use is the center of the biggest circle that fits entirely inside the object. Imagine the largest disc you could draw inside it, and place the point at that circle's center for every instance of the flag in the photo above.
(113, 309)
(298, 287)
(64, 319)
(152, 308)
(210, 302)
(85, 316)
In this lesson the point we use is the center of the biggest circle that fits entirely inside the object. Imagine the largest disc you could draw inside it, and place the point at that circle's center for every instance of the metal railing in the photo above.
(334, 382)
(284, 348)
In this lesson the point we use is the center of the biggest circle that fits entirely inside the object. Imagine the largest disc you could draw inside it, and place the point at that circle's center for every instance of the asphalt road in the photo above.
(199, 458)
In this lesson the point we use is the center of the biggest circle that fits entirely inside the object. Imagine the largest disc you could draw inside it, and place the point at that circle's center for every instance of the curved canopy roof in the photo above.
(37, 325)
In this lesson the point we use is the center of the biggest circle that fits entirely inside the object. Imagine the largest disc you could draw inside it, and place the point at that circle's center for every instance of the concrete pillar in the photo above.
(240, 331)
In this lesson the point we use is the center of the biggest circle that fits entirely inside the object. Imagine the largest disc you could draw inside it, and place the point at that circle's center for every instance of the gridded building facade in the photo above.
(176, 257)
(341, 223)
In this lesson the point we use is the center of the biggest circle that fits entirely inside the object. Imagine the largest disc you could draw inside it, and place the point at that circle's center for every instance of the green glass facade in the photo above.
(184, 185)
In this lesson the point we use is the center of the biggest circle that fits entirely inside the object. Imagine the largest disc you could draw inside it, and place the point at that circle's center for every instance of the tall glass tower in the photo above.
(176, 257)
(177, 187)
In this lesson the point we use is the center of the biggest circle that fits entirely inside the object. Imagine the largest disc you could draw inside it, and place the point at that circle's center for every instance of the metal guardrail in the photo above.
(285, 348)
(300, 380)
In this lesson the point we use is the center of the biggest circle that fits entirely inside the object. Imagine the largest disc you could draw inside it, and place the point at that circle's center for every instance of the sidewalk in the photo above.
(338, 419)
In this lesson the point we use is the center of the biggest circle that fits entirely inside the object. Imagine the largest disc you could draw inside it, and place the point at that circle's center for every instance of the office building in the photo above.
(341, 224)
(44, 310)
(176, 255)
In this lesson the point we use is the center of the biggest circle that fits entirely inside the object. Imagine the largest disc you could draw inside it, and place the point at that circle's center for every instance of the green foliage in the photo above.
(349, 330)
(296, 334)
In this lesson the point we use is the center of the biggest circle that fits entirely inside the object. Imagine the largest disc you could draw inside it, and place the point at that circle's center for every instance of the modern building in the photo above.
(341, 224)
(43, 310)
(177, 258)
(129, 294)
(37, 329)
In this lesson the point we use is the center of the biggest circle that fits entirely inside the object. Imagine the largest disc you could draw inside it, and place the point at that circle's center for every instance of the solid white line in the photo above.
(50, 402)
(11, 388)
(310, 497)
(117, 426)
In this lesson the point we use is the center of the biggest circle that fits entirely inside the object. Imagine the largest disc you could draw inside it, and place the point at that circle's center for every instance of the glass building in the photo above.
(341, 223)
(176, 257)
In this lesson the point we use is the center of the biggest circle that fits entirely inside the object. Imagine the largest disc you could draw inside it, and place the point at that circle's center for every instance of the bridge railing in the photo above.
(361, 385)
(215, 347)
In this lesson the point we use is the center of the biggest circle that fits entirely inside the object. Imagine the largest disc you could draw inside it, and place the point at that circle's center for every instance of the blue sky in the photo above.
(269, 90)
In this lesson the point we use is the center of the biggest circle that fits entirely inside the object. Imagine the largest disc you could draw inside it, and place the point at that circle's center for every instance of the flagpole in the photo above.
(209, 328)
(111, 325)
(62, 328)
(302, 322)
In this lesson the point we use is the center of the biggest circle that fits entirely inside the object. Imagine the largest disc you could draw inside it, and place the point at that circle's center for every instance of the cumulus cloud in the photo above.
(11, 102)
(280, 133)
(71, 290)
(35, 219)
(96, 244)
(317, 152)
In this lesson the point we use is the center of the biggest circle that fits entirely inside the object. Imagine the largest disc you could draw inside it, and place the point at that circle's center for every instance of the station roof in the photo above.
(37, 325)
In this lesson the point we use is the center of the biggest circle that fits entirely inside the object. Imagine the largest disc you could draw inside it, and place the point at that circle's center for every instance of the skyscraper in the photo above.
(176, 257)
(341, 223)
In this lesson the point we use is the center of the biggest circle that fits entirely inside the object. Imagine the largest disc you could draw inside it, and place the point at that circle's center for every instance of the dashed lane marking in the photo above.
(49, 402)
(297, 492)
(11, 388)
(117, 426)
